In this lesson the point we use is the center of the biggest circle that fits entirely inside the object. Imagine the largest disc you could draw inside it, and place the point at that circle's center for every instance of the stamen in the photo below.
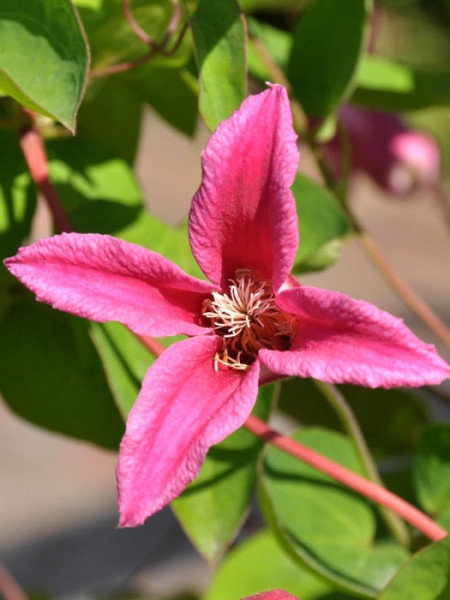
(248, 319)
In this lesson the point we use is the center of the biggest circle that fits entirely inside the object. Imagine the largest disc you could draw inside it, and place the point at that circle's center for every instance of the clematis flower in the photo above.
(249, 324)
(398, 159)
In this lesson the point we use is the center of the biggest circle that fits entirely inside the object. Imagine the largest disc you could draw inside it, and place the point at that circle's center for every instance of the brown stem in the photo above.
(9, 588)
(355, 482)
(33, 149)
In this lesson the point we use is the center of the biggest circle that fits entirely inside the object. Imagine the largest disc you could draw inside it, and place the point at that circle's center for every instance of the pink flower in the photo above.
(271, 595)
(398, 159)
(252, 324)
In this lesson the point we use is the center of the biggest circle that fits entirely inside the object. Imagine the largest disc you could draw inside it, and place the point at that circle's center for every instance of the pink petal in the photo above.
(243, 215)
(183, 408)
(342, 340)
(271, 595)
(106, 279)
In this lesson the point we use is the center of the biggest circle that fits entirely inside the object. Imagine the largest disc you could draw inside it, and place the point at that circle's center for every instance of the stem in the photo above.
(402, 289)
(122, 67)
(33, 149)
(155, 47)
(355, 482)
(139, 32)
(9, 588)
(351, 426)
(155, 347)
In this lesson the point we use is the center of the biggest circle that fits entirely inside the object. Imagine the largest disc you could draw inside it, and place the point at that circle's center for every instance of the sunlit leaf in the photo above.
(43, 57)
(328, 41)
(219, 38)
(214, 506)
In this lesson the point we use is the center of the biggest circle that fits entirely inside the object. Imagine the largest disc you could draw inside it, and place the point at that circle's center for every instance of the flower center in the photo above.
(248, 319)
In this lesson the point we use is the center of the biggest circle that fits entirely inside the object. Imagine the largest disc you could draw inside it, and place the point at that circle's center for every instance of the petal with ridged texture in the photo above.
(342, 340)
(271, 595)
(243, 215)
(183, 408)
(106, 279)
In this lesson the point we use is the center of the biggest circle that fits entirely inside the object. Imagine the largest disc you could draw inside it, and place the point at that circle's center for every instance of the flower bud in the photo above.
(398, 159)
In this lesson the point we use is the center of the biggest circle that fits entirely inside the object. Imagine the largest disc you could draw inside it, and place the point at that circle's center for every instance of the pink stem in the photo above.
(364, 487)
(9, 588)
(33, 149)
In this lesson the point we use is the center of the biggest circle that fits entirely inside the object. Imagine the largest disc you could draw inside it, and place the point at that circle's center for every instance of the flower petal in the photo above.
(106, 279)
(345, 340)
(183, 408)
(243, 215)
(271, 595)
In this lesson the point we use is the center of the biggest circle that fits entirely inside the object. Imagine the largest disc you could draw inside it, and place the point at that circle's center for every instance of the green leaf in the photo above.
(322, 524)
(125, 360)
(320, 222)
(50, 374)
(17, 198)
(432, 469)
(111, 114)
(213, 507)
(328, 41)
(97, 188)
(171, 92)
(259, 564)
(425, 577)
(392, 421)
(387, 85)
(277, 42)
(218, 30)
(43, 57)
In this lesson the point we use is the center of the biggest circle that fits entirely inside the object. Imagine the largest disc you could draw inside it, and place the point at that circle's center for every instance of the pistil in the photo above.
(248, 319)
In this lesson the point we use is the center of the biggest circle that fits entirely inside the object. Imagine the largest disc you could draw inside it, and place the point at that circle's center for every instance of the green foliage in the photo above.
(432, 471)
(111, 39)
(259, 562)
(17, 198)
(425, 577)
(322, 524)
(392, 420)
(43, 57)
(54, 377)
(213, 508)
(328, 41)
(111, 115)
(320, 225)
(386, 85)
(219, 37)
(172, 92)
(125, 360)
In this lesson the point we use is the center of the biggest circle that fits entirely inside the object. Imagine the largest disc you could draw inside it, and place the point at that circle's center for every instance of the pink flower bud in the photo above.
(398, 159)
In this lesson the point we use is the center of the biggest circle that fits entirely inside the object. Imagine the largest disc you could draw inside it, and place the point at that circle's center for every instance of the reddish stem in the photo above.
(151, 344)
(364, 487)
(139, 32)
(9, 588)
(33, 149)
